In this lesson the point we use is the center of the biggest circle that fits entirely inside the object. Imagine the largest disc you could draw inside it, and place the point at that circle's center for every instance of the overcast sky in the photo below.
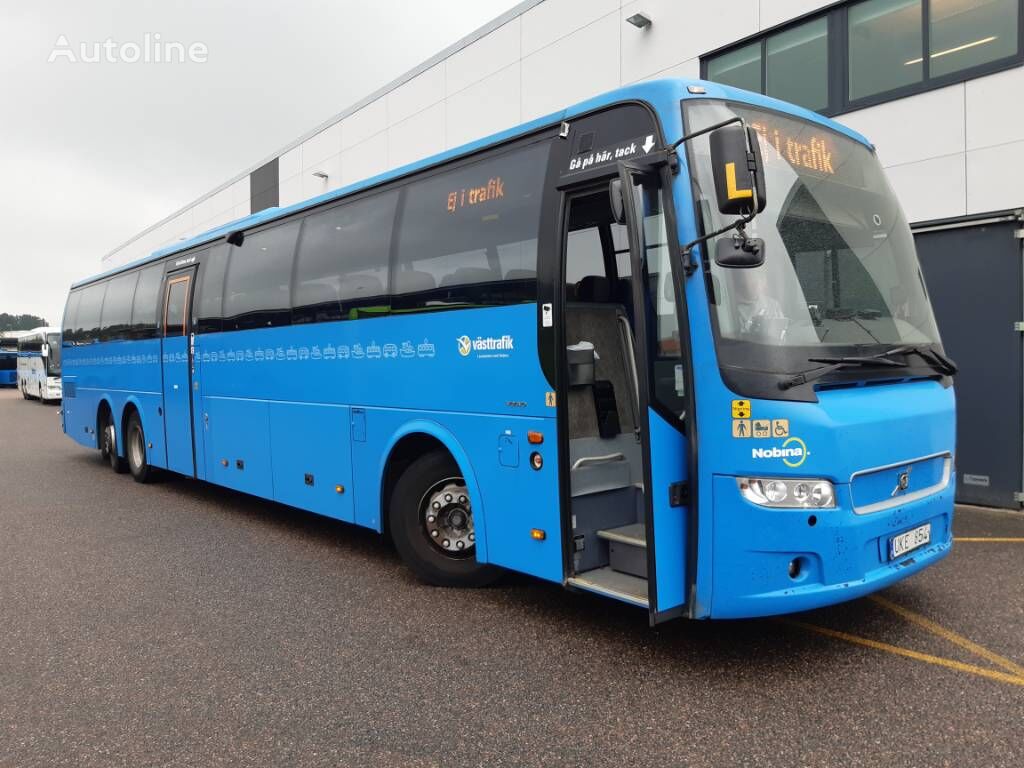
(91, 154)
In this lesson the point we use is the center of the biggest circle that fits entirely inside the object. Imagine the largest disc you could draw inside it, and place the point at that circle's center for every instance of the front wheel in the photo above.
(135, 448)
(431, 523)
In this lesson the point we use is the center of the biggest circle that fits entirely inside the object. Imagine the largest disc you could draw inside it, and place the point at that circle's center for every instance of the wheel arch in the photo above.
(104, 406)
(413, 440)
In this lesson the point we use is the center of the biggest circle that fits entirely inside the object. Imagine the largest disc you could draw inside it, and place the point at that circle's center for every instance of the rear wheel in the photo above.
(108, 446)
(431, 523)
(135, 449)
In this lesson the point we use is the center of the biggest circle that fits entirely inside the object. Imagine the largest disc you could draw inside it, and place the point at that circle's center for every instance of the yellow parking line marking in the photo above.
(898, 651)
(993, 539)
(950, 635)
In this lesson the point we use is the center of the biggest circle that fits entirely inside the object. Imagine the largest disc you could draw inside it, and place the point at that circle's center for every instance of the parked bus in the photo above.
(39, 354)
(671, 346)
(8, 361)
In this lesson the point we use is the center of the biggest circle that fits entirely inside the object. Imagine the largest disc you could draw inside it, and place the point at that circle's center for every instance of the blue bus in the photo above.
(8, 361)
(671, 346)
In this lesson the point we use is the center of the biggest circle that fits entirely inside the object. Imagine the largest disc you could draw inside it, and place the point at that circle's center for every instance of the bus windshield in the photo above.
(841, 275)
(53, 360)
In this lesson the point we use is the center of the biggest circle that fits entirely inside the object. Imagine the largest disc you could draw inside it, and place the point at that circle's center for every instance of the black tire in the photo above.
(135, 450)
(108, 446)
(428, 476)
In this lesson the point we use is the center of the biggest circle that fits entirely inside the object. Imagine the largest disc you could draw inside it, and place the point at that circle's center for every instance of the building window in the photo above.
(886, 40)
(964, 34)
(796, 65)
(867, 52)
(740, 68)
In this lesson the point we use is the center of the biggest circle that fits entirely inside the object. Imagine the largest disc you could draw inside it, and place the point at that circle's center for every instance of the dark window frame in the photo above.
(839, 65)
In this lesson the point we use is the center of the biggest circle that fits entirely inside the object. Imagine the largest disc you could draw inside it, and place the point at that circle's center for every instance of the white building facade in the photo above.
(935, 84)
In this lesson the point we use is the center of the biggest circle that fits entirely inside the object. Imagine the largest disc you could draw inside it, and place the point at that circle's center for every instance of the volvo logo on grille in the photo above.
(902, 482)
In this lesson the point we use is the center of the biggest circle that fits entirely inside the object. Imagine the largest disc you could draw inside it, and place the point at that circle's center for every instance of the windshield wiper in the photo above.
(935, 359)
(836, 364)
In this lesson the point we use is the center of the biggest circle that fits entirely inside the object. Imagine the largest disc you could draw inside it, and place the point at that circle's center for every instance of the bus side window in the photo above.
(89, 312)
(117, 307)
(342, 263)
(147, 292)
(468, 237)
(70, 313)
(208, 305)
(257, 288)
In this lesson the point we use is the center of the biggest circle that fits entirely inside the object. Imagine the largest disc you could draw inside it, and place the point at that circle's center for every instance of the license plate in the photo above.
(909, 541)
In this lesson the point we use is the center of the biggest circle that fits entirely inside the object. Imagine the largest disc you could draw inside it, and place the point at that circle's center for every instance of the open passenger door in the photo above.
(665, 391)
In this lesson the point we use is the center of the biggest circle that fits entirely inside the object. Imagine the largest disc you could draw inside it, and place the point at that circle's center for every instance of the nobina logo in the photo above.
(485, 344)
(793, 452)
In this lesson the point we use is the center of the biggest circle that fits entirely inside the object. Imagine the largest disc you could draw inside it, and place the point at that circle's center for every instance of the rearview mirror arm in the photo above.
(690, 136)
(689, 265)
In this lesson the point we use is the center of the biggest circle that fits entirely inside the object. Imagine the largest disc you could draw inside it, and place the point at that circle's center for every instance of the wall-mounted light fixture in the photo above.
(640, 20)
(320, 175)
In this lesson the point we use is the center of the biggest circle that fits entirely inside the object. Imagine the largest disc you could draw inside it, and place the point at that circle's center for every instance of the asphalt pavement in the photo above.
(180, 624)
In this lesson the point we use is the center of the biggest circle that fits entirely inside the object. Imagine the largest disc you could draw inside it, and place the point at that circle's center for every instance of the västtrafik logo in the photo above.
(485, 346)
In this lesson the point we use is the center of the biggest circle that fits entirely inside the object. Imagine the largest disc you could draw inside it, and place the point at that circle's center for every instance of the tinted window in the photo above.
(70, 312)
(256, 290)
(144, 306)
(885, 46)
(206, 309)
(117, 307)
(469, 236)
(87, 322)
(341, 269)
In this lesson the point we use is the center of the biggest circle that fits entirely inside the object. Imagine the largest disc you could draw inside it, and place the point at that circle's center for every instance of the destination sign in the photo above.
(809, 150)
(493, 189)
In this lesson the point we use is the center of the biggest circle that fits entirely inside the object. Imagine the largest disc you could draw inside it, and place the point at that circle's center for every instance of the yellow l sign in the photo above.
(730, 184)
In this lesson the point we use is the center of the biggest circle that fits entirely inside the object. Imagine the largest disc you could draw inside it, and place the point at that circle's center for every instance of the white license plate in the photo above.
(911, 540)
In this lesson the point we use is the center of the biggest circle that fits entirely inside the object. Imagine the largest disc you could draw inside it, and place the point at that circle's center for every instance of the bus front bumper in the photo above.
(838, 555)
(52, 389)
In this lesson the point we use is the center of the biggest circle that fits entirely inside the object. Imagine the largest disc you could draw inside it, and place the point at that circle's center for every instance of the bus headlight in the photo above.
(785, 493)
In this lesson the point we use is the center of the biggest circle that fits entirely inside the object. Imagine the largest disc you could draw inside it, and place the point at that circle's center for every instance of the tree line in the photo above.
(20, 322)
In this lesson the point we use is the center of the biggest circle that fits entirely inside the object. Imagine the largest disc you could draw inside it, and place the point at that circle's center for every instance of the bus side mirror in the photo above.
(45, 350)
(618, 202)
(738, 170)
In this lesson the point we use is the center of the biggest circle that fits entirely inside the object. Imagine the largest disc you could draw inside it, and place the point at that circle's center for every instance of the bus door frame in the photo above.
(658, 170)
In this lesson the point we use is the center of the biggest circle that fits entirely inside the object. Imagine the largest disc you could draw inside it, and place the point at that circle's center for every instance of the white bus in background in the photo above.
(39, 364)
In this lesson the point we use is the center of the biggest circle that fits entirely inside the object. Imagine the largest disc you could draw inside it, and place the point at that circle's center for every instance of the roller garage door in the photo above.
(975, 278)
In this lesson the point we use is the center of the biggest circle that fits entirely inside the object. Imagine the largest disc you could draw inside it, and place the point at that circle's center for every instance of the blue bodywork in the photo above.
(8, 376)
(333, 400)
